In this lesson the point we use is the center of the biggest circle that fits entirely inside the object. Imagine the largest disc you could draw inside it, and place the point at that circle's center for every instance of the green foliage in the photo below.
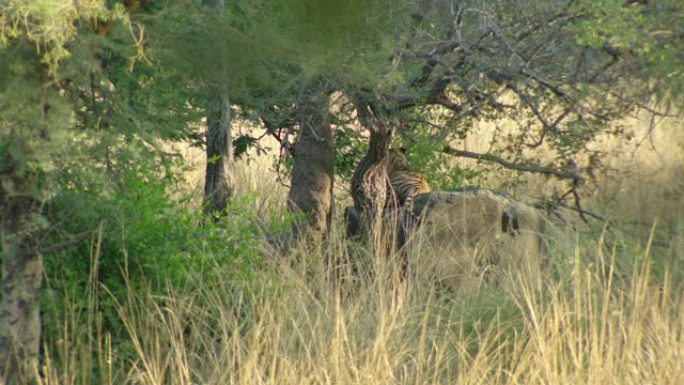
(86, 114)
(139, 238)
(349, 149)
(349, 40)
(264, 51)
(424, 152)
(648, 35)
(49, 25)
(32, 114)
(146, 235)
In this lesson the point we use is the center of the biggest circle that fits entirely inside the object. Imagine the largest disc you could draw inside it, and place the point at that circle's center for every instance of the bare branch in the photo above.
(561, 174)
(74, 239)
(434, 59)
(555, 90)
(552, 206)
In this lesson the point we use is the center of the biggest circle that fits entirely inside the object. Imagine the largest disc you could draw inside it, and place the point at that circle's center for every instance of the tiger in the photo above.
(404, 184)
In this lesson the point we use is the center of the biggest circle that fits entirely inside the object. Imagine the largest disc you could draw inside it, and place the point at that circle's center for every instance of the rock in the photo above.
(463, 235)
(459, 236)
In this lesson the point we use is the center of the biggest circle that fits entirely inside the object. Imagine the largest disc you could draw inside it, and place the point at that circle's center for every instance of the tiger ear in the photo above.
(402, 150)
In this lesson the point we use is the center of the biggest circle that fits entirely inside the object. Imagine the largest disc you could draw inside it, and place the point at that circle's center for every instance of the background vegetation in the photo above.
(572, 106)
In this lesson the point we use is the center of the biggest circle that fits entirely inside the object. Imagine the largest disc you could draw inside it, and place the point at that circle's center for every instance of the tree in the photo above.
(336, 46)
(50, 114)
(219, 181)
(33, 114)
(21, 269)
(311, 191)
(564, 73)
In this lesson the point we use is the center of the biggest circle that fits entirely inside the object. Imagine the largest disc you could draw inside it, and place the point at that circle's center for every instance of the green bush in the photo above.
(129, 235)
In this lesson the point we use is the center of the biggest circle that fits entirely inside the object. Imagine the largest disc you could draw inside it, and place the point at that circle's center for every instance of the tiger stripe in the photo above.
(404, 183)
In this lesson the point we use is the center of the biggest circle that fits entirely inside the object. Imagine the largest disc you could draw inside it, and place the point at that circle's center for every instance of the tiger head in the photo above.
(397, 160)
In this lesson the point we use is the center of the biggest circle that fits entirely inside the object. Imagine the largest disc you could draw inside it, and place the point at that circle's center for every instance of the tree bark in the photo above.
(369, 185)
(22, 273)
(369, 181)
(311, 190)
(219, 182)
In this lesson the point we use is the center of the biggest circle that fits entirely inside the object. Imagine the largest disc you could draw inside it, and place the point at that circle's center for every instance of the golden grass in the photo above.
(589, 326)
(641, 179)
(602, 316)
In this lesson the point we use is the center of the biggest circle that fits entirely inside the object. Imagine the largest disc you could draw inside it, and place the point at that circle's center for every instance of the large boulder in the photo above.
(458, 237)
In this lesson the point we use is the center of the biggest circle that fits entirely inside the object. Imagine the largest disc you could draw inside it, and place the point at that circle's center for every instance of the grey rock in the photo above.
(467, 233)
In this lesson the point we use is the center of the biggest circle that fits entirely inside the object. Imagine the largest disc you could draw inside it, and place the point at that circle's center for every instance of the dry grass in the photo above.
(590, 326)
(602, 316)
(641, 180)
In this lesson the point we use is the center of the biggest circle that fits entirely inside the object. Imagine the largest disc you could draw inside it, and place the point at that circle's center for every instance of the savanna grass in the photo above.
(607, 310)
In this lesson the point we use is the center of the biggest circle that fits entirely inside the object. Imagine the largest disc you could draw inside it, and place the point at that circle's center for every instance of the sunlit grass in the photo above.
(287, 325)
(607, 310)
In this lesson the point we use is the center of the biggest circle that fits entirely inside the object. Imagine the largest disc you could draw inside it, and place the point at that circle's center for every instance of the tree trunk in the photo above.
(369, 181)
(369, 185)
(311, 190)
(22, 273)
(219, 181)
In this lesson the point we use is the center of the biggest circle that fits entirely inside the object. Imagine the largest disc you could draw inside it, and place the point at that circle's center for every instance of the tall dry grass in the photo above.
(589, 325)
(609, 311)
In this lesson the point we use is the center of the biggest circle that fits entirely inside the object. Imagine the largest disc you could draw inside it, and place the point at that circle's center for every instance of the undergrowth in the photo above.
(154, 294)
(246, 313)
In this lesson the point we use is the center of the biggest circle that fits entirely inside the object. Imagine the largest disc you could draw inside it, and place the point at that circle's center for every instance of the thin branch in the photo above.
(74, 240)
(536, 27)
(551, 127)
(512, 165)
(273, 130)
(551, 206)
(555, 90)
(448, 104)
(578, 206)
(428, 67)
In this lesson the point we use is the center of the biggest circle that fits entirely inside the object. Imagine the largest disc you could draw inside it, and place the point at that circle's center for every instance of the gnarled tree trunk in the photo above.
(369, 182)
(22, 273)
(311, 190)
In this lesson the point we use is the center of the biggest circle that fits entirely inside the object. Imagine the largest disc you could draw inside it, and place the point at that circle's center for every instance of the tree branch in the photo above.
(512, 165)
(73, 240)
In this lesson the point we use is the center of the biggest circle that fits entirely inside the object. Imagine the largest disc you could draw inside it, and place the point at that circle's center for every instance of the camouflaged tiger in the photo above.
(404, 183)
